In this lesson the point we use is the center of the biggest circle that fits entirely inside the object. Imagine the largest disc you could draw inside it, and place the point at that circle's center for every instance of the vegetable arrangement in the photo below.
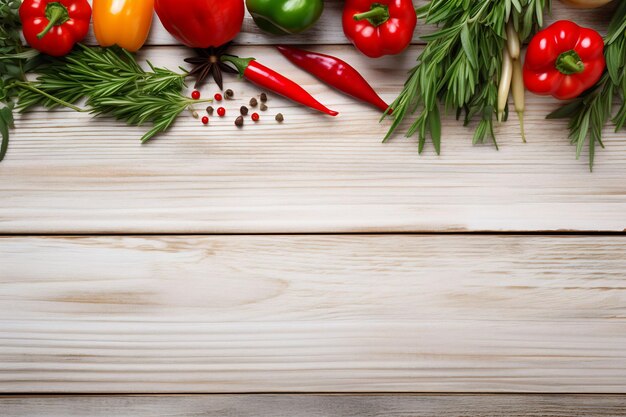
(469, 66)
(462, 63)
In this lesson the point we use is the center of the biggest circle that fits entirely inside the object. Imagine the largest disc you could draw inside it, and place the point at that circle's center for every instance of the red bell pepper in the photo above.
(201, 23)
(54, 26)
(564, 60)
(380, 27)
(335, 72)
(265, 77)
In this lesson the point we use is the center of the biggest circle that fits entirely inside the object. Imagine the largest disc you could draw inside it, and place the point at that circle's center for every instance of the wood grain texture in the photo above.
(68, 173)
(315, 406)
(328, 31)
(405, 313)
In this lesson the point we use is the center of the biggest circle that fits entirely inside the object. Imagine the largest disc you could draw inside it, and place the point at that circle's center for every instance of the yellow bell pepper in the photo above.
(122, 22)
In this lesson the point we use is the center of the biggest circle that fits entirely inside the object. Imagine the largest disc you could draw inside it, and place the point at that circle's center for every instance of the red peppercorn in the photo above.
(217, 97)
(221, 111)
(255, 117)
(205, 120)
(195, 94)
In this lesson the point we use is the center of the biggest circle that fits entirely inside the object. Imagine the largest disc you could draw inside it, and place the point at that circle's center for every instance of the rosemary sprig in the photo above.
(589, 113)
(113, 84)
(461, 63)
(137, 109)
(97, 72)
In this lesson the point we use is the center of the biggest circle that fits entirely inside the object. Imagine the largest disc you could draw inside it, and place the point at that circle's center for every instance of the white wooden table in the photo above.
(308, 257)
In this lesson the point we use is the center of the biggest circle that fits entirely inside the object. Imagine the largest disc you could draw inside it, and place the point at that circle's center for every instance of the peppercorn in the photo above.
(195, 94)
(279, 118)
(263, 97)
(221, 111)
(210, 110)
(253, 102)
(217, 97)
(205, 120)
(229, 93)
(243, 110)
(194, 114)
(255, 117)
(239, 121)
(263, 107)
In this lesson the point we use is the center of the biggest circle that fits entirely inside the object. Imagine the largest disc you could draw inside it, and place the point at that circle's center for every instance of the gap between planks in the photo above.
(538, 233)
(316, 405)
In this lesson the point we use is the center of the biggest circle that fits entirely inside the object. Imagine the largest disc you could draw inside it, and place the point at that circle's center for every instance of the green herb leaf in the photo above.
(6, 123)
(15, 61)
(565, 111)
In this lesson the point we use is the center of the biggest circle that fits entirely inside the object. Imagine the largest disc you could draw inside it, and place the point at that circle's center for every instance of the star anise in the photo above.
(207, 62)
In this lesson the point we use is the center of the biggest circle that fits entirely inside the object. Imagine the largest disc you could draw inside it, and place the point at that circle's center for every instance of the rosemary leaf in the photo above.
(97, 72)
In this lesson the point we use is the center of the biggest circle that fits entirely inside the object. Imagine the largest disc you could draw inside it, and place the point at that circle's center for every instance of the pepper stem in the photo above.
(240, 63)
(570, 63)
(57, 14)
(376, 15)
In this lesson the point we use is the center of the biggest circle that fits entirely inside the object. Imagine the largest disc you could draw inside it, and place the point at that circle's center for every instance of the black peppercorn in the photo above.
(253, 102)
(263, 97)
(279, 117)
(239, 121)
(209, 110)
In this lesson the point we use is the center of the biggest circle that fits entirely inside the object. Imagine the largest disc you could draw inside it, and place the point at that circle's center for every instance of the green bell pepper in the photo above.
(285, 17)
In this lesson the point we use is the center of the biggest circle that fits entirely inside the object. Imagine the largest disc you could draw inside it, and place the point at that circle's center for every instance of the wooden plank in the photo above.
(68, 173)
(315, 405)
(328, 30)
(404, 313)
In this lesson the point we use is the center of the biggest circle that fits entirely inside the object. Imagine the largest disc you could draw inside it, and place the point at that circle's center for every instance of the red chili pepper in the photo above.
(54, 26)
(201, 23)
(379, 27)
(270, 79)
(335, 72)
(564, 60)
